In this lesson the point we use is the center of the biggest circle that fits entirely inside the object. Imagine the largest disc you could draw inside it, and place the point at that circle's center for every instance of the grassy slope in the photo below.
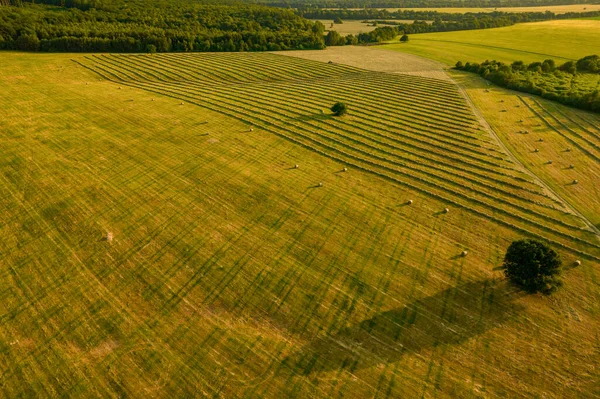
(227, 269)
(561, 40)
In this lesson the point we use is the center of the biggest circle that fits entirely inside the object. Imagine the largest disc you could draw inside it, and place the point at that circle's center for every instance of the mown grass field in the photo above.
(560, 134)
(561, 40)
(230, 273)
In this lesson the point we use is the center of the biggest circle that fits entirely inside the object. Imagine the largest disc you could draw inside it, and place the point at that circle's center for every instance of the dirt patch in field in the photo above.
(374, 59)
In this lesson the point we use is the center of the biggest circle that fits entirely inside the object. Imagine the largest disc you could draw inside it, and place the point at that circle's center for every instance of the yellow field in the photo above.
(158, 240)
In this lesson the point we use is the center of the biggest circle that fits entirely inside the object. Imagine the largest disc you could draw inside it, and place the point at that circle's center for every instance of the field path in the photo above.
(540, 181)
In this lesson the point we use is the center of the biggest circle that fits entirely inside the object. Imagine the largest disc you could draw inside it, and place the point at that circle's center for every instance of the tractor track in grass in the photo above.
(536, 178)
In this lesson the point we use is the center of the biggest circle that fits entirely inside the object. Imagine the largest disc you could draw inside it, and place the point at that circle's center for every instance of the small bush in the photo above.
(339, 109)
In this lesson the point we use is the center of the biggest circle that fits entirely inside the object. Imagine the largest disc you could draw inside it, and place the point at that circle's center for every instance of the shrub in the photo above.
(339, 109)
(533, 266)
(404, 38)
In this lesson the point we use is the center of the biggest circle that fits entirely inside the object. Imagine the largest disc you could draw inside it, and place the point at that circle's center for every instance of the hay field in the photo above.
(556, 133)
(374, 59)
(154, 246)
(560, 40)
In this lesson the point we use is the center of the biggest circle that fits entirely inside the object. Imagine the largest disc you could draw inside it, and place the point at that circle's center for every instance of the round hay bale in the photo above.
(446, 210)
(345, 169)
(541, 140)
(536, 150)
(575, 181)
(526, 132)
(320, 184)
(577, 262)
(109, 236)
(549, 162)
(296, 166)
(119, 87)
(182, 103)
(568, 149)
(571, 166)
(409, 202)
(251, 129)
(501, 101)
(464, 253)
(521, 120)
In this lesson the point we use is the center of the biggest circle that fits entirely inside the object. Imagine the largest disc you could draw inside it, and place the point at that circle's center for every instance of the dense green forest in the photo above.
(575, 83)
(162, 25)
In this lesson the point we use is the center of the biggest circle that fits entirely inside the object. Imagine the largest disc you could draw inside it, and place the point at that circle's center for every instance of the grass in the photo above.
(560, 40)
(231, 274)
(569, 137)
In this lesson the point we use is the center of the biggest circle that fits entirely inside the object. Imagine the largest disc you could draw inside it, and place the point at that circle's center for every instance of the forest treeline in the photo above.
(440, 22)
(574, 83)
(149, 26)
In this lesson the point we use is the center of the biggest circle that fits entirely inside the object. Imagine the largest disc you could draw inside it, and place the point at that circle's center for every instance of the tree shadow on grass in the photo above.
(450, 317)
(316, 117)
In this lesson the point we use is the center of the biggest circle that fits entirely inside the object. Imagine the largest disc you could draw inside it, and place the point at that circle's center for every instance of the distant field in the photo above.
(158, 240)
(560, 40)
(555, 9)
(350, 27)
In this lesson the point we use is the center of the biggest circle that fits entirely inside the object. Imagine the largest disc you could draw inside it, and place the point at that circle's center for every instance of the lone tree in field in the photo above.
(339, 109)
(404, 38)
(533, 266)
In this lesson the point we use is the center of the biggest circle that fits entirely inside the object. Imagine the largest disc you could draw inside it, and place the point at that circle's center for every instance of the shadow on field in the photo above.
(319, 116)
(450, 317)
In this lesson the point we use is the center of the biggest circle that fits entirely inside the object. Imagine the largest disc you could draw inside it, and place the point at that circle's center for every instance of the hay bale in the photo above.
(501, 101)
(571, 166)
(575, 181)
(152, 99)
(504, 110)
(577, 262)
(409, 202)
(541, 140)
(521, 120)
(345, 169)
(536, 150)
(296, 166)
(119, 87)
(181, 103)
(549, 162)
(568, 149)
(446, 210)
(464, 253)
(320, 184)
(109, 236)
(251, 129)
(526, 132)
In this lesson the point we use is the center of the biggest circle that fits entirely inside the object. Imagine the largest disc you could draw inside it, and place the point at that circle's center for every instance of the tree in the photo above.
(459, 65)
(339, 109)
(533, 266)
(338, 20)
(333, 38)
(404, 38)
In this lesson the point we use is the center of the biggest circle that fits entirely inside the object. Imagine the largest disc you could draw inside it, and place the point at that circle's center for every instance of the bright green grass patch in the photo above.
(560, 40)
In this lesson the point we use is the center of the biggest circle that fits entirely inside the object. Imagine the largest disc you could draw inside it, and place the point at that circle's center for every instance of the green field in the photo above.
(158, 240)
(561, 40)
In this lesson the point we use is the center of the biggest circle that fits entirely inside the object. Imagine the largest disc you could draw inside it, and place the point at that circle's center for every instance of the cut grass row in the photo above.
(341, 145)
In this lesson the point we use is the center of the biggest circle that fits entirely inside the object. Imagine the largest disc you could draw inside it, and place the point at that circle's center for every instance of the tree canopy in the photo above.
(533, 266)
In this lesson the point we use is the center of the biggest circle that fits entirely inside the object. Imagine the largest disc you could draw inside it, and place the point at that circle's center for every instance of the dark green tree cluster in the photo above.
(533, 266)
(160, 25)
(544, 79)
